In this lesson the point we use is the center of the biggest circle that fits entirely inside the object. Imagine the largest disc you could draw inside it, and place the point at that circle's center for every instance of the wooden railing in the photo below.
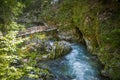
(36, 29)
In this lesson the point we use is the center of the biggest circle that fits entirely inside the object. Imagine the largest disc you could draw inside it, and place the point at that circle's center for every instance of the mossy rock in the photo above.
(59, 49)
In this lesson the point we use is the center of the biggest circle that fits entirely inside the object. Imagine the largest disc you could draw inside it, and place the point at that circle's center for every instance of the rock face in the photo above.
(50, 50)
(56, 49)
(65, 46)
(61, 48)
(101, 33)
(98, 22)
(68, 35)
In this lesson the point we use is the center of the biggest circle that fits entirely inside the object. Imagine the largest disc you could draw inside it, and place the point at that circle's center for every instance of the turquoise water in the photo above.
(77, 65)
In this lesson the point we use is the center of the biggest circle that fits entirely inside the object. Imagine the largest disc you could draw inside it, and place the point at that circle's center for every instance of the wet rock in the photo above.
(59, 49)
(50, 50)
(63, 47)
(105, 74)
(68, 36)
(48, 46)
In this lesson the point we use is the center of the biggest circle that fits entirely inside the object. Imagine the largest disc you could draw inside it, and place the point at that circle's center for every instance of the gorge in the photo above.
(84, 44)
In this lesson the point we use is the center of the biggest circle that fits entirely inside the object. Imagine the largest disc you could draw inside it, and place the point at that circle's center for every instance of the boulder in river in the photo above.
(61, 48)
(50, 50)
(58, 49)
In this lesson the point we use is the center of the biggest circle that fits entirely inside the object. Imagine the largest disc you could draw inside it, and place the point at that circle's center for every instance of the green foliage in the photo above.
(8, 55)
(99, 23)
(8, 43)
(9, 10)
(14, 63)
(27, 3)
(41, 36)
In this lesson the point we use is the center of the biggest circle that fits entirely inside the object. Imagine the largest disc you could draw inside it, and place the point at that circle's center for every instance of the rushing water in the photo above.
(77, 65)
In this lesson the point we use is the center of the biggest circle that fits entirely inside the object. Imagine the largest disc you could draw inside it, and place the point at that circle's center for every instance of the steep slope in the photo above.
(96, 21)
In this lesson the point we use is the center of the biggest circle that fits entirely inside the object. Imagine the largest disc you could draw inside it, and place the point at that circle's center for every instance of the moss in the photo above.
(103, 34)
(98, 21)
(99, 24)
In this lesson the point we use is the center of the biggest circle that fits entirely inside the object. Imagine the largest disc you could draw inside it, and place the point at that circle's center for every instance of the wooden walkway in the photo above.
(36, 29)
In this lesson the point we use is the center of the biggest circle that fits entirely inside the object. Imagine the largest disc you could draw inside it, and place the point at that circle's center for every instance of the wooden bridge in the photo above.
(36, 29)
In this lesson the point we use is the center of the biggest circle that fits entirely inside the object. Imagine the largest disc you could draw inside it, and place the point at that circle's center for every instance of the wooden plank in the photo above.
(36, 29)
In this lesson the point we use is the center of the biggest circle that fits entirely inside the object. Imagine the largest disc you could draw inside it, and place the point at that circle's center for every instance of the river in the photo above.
(77, 65)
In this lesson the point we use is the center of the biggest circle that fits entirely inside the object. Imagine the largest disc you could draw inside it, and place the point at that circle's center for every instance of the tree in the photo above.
(9, 10)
